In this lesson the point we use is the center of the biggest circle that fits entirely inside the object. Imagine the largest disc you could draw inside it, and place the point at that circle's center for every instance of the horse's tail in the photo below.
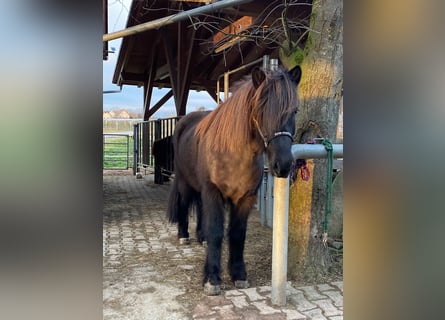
(173, 203)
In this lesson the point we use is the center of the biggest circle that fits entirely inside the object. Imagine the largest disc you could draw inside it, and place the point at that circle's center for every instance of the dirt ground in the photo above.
(120, 203)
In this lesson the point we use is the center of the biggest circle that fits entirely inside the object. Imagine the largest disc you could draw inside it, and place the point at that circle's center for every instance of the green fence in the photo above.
(118, 151)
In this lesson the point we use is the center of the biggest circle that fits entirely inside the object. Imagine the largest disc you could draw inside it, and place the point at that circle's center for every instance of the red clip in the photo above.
(305, 173)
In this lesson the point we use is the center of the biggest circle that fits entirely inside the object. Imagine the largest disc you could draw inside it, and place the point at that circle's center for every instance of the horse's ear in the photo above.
(295, 74)
(258, 77)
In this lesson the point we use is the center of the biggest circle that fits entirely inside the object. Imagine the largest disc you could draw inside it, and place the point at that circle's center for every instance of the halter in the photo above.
(275, 135)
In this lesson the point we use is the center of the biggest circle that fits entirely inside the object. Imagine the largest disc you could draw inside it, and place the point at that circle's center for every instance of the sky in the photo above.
(131, 97)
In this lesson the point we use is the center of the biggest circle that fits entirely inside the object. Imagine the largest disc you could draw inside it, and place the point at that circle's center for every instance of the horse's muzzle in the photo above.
(280, 168)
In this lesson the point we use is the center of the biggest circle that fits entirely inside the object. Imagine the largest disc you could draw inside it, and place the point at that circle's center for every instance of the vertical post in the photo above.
(270, 196)
(273, 64)
(226, 86)
(103, 151)
(266, 62)
(128, 151)
(262, 200)
(158, 169)
(279, 240)
(217, 92)
(135, 149)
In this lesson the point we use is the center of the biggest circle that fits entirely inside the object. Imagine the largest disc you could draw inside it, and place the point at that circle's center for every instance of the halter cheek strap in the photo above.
(276, 134)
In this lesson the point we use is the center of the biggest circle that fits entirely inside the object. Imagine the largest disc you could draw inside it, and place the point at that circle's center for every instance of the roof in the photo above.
(192, 54)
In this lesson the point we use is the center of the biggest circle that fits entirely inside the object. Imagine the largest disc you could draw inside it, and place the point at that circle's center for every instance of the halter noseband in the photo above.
(275, 135)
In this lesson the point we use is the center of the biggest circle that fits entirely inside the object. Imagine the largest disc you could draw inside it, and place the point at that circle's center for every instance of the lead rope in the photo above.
(328, 206)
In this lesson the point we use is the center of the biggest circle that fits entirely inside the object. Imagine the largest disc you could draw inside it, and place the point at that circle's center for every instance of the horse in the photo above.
(218, 164)
(162, 151)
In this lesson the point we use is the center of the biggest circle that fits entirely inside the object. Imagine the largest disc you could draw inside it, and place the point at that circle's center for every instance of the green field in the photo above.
(118, 152)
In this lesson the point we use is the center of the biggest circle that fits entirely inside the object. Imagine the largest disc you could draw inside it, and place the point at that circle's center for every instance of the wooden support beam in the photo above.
(179, 63)
(148, 85)
(149, 112)
(212, 93)
(185, 56)
(171, 62)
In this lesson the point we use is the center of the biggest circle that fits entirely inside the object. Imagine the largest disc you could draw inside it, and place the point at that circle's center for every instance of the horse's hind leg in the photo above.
(184, 201)
(237, 236)
(213, 214)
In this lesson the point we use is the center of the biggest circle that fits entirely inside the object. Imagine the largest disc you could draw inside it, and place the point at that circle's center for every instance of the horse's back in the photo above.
(188, 123)
(185, 146)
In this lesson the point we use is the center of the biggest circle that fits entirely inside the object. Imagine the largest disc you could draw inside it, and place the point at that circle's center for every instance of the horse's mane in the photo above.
(229, 128)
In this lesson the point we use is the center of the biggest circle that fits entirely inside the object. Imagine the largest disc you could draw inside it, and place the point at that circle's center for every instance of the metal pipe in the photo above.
(269, 208)
(217, 91)
(280, 217)
(226, 78)
(266, 60)
(226, 86)
(279, 242)
(315, 151)
(184, 15)
(273, 65)
(244, 66)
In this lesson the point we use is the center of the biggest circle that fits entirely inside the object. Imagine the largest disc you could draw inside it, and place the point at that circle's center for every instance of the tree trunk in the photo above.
(320, 95)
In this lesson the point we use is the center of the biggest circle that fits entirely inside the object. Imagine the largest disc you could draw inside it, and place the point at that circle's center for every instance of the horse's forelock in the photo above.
(276, 100)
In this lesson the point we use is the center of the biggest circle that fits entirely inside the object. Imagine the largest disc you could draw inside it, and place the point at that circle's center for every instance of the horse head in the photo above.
(274, 119)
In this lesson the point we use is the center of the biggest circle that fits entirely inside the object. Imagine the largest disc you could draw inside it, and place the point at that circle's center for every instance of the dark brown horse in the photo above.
(219, 164)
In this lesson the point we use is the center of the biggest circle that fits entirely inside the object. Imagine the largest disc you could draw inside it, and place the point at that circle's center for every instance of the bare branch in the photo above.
(264, 32)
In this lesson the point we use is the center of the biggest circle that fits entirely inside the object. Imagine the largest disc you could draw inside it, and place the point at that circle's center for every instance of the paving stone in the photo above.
(336, 297)
(315, 314)
(293, 315)
(324, 287)
(252, 294)
(338, 284)
(311, 293)
(265, 289)
(300, 302)
(230, 293)
(187, 267)
(226, 312)
(239, 301)
(264, 308)
(328, 308)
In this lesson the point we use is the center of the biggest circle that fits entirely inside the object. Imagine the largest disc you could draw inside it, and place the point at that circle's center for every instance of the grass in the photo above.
(117, 149)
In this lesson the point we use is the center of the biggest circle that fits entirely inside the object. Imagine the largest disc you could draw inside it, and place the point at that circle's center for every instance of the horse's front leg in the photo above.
(237, 236)
(213, 214)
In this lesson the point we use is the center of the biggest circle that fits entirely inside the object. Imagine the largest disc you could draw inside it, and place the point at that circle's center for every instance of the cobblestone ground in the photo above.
(148, 275)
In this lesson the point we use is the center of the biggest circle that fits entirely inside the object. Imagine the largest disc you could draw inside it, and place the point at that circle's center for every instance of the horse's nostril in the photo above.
(281, 169)
(276, 166)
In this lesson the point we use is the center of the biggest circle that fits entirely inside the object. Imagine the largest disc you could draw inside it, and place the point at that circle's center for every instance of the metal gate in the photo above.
(116, 151)
(148, 133)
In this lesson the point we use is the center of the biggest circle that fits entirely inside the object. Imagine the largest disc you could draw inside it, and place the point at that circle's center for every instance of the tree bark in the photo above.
(320, 95)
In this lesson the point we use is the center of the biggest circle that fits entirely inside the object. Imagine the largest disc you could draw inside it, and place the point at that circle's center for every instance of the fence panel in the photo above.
(146, 133)
(116, 151)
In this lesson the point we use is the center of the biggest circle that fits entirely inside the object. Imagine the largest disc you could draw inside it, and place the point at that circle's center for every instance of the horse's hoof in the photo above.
(241, 284)
(211, 289)
(184, 240)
